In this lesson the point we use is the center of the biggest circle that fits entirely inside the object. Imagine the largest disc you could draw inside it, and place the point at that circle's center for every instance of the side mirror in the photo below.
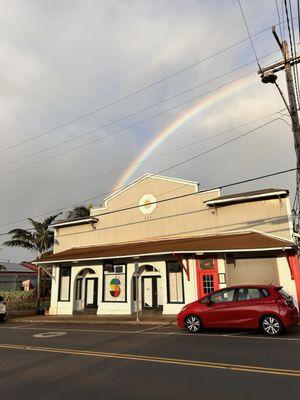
(209, 302)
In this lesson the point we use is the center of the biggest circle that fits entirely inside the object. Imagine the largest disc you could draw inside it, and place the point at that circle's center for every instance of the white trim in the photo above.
(271, 235)
(248, 197)
(163, 253)
(75, 222)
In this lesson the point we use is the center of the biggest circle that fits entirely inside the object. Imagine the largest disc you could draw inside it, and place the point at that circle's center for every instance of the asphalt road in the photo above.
(85, 361)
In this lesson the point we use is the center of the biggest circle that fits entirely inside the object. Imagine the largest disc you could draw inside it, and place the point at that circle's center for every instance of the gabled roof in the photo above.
(248, 196)
(223, 242)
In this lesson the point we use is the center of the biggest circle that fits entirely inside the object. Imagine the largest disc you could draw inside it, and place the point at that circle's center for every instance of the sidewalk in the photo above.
(146, 319)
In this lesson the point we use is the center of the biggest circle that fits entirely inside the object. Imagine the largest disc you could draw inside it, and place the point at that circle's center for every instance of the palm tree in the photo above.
(79, 212)
(39, 239)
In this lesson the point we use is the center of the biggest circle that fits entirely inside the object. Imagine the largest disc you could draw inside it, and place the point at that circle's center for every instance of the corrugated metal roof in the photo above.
(13, 267)
(238, 197)
(250, 240)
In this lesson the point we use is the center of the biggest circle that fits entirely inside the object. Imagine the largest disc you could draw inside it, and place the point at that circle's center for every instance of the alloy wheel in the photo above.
(193, 324)
(271, 325)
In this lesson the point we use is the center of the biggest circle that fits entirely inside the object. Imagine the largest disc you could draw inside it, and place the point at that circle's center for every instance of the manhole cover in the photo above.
(49, 334)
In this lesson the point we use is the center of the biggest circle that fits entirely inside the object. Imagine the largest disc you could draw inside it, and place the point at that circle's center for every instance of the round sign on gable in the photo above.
(147, 204)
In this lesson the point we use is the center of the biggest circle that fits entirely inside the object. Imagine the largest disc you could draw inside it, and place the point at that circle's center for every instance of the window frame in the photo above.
(168, 283)
(59, 283)
(107, 274)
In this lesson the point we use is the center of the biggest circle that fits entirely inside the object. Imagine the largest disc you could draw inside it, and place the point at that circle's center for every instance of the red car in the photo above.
(264, 307)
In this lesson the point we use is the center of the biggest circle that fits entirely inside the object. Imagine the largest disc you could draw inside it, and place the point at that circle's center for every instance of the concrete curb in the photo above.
(94, 322)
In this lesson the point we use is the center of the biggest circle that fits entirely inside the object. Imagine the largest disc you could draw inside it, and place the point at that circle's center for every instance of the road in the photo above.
(86, 361)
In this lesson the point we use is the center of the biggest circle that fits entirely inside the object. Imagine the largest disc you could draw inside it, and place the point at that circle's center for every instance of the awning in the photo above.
(225, 242)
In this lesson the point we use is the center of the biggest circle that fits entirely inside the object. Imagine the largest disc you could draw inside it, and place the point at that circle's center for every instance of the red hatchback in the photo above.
(264, 307)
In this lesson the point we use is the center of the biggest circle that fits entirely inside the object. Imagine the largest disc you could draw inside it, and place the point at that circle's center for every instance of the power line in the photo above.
(133, 93)
(249, 35)
(80, 146)
(142, 162)
(173, 166)
(185, 196)
(103, 127)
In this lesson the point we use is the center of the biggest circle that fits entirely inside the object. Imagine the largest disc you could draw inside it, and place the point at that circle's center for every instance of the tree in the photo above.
(38, 239)
(79, 212)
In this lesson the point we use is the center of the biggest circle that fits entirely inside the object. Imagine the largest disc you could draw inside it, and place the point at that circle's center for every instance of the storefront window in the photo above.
(175, 282)
(114, 283)
(64, 284)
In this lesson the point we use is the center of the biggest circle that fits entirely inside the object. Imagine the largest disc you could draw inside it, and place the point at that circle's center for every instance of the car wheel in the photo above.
(271, 325)
(193, 323)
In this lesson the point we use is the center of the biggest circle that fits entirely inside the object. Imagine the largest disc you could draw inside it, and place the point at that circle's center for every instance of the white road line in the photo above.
(149, 329)
(179, 333)
(237, 333)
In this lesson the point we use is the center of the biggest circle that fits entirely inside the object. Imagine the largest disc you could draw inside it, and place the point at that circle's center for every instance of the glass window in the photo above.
(114, 283)
(222, 296)
(175, 282)
(249, 294)
(265, 293)
(207, 263)
(64, 284)
(208, 283)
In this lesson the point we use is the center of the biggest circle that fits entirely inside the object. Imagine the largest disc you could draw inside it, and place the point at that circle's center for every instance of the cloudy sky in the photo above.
(63, 59)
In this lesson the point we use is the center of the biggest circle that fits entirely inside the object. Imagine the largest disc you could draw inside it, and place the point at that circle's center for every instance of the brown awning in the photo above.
(244, 241)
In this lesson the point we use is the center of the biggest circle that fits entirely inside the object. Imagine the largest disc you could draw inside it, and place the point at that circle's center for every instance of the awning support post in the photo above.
(185, 268)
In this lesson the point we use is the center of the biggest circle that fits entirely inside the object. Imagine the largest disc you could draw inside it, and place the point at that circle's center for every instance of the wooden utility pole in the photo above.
(268, 76)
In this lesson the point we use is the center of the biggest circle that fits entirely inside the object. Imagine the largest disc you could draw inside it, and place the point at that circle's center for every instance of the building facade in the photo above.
(161, 243)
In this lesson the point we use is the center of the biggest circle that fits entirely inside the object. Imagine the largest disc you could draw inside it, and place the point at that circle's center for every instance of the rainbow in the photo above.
(216, 97)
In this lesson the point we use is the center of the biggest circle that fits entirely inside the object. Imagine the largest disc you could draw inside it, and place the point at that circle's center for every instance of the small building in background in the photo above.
(17, 276)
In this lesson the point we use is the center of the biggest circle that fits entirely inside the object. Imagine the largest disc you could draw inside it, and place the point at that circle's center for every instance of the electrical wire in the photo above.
(141, 162)
(157, 173)
(249, 35)
(232, 184)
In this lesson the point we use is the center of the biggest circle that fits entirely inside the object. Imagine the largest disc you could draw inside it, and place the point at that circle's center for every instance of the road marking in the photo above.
(236, 333)
(49, 334)
(149, 329)
(160, 360)
(177, 333)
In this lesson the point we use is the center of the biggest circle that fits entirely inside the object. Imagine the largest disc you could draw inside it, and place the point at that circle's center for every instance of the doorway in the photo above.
(91, 293)
(151, 293)
(207, 276)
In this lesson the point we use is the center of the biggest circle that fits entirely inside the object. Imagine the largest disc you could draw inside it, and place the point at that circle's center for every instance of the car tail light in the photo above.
(286, 302)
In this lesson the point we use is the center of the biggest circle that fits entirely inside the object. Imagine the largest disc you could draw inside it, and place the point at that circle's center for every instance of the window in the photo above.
(175, 282)
(207, 263)
(222, 296)
(208, 283)
(78, 289)
(249, 294)
(64, 284)
(114, 283)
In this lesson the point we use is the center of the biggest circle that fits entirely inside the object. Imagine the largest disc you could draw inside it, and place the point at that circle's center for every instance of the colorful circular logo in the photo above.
(115, 288)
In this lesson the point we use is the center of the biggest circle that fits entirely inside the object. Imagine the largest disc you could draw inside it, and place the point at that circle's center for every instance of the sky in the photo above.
(64, 59)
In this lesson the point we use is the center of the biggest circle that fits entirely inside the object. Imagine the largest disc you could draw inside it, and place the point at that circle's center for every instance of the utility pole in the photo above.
(268, 76)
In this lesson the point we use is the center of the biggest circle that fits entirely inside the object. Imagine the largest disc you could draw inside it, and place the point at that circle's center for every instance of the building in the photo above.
(17, 276)
(142, 248)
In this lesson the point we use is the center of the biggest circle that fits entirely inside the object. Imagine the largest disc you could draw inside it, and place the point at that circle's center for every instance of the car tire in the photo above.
(271, 325)
(193, 323)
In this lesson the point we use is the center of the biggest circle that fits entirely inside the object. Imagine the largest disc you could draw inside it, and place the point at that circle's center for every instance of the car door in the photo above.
(250, 304)
(221, 309)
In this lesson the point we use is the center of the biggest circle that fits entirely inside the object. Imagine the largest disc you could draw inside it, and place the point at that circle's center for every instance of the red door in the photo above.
(207, 276)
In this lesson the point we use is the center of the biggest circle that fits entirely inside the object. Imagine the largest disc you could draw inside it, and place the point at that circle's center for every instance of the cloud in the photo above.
(60, 60)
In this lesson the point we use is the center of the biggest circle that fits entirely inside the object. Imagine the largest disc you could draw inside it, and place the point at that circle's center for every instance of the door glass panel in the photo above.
(90, 291)
(148, 295)
(207, 263)
(208, 283)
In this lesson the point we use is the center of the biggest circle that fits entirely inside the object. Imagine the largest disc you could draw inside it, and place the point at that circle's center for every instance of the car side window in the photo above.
(248, 294)
(222, 296)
